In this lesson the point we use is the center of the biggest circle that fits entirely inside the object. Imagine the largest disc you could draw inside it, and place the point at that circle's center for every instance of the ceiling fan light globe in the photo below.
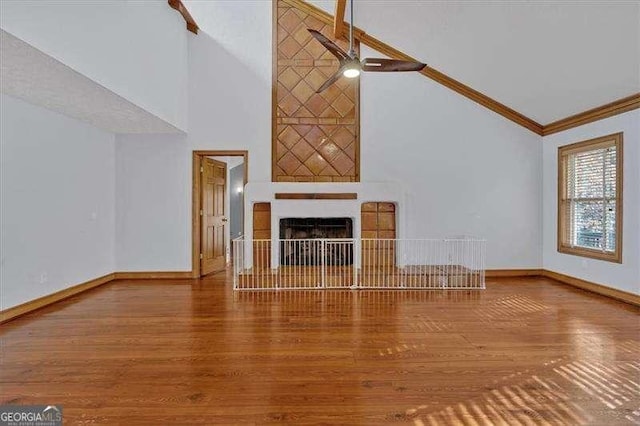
(351, 72)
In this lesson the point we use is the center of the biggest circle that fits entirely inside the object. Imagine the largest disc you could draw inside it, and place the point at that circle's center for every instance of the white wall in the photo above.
(463, 169)
(57, 185)
(466, 170)
(153, 198)
(137, 49)
(625, 276)
(230, 99)
(229, 108)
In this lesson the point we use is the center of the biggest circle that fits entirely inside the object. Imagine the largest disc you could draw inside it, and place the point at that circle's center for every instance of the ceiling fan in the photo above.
(350, 64)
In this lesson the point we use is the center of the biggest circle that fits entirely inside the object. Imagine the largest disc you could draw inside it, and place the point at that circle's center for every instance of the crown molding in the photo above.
(455, 85)
(428, 71)
(620, 106)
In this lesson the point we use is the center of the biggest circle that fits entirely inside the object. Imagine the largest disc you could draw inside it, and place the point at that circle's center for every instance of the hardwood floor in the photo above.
(524, 351)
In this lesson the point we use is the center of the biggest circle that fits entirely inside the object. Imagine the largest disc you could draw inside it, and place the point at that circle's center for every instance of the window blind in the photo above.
(590, 203)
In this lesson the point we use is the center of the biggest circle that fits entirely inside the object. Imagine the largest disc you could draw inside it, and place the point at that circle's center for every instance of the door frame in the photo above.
(196, 202)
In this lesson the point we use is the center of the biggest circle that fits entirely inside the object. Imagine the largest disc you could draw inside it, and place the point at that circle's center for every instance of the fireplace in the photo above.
(298, 245)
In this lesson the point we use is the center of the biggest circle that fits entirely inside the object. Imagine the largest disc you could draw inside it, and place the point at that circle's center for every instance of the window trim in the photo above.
(614, 139)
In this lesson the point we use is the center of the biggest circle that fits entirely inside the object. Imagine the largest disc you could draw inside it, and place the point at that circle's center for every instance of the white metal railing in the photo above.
(359, 263)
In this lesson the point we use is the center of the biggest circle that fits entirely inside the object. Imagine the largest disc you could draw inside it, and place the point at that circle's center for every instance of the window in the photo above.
(590, 198)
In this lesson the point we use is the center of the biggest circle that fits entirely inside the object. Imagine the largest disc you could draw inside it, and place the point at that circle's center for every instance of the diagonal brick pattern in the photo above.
(316, 136)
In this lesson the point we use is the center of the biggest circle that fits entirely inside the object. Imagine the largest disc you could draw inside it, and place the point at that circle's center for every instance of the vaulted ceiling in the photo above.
(545, 59)
(38, 78)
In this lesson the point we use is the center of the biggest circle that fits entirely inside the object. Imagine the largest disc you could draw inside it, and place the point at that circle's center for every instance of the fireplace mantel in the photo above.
(301, 207)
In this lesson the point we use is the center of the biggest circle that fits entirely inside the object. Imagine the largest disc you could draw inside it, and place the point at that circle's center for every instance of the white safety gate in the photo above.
(359, 263)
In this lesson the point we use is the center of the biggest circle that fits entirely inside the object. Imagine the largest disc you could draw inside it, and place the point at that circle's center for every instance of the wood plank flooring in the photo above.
(523, 352)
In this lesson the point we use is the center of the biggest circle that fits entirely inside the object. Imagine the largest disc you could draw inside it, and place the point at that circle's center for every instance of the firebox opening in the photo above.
(306, 252)
(315, 227)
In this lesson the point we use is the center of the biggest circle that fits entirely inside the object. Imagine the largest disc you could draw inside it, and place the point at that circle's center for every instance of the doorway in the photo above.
(219, 178)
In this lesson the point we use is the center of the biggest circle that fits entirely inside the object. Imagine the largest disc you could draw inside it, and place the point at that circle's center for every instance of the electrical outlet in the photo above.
(43, 278)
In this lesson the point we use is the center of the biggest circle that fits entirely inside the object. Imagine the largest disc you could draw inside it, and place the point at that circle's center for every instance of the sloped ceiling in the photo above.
(545, 59)
(36, 77)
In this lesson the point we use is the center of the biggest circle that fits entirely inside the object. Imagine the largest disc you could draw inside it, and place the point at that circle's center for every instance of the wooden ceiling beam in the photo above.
(180, 7)
(321, 15)
(338, 18)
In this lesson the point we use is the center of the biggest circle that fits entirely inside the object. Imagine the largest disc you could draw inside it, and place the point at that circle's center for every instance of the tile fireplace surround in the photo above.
(265, 192)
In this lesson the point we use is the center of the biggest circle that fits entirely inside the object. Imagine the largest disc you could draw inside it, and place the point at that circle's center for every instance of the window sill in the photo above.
(615, 257)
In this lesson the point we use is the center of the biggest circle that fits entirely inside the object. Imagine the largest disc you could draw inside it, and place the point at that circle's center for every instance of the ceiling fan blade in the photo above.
(331, 80)
(390, 65)
(329, 45)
